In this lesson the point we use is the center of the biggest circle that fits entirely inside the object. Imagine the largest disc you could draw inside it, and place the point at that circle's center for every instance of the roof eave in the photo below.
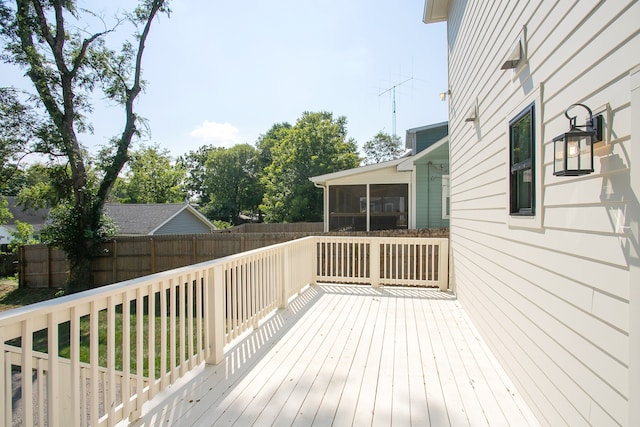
(435, 11)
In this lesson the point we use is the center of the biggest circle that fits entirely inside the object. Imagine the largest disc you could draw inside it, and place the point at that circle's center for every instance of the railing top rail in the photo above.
(67, 301)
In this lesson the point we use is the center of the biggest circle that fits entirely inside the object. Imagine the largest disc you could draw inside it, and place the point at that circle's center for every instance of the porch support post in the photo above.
(443, 264)
(215, 314)
(374, 261)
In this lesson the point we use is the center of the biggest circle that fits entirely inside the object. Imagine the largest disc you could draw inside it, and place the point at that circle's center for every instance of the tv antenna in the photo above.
(392, 89)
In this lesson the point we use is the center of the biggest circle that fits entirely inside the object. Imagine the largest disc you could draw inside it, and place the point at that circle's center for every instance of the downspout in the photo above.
(429, 194)
(325, 207)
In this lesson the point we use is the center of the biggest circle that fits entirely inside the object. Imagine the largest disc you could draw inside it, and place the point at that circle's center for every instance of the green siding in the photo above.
(427, 138)
(429, 197)
(184, 223)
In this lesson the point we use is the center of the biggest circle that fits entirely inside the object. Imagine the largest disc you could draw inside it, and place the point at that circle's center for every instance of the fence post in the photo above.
(115, 261)
(49, 278)
(21, 267)
(443, 264)
(374, 262)
(215, 314)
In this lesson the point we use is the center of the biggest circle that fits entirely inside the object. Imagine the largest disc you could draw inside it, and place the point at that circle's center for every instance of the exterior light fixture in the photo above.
(513, 59)
(443, 95)
(573, 150)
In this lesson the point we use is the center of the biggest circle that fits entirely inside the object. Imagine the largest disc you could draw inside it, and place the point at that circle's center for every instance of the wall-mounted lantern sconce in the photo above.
(443, 95)
(573, 150)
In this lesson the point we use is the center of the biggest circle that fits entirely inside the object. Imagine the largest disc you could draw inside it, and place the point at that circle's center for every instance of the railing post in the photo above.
(285, 278)
(314, 261)
(443, 264)
(374, 262)
(215, 314)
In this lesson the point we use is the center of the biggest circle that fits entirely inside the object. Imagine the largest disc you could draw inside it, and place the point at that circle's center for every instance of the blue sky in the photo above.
(223, 72)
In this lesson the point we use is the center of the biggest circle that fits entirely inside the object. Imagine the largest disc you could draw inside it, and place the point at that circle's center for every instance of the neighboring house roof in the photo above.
(322, 179)
(148, 219)
(403, 164)
(420, 138)
(409, 162)
(36, 217)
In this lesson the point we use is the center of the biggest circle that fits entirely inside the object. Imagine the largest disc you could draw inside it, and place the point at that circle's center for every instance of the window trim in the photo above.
(527, 164)
(446, 197)
(531, 222)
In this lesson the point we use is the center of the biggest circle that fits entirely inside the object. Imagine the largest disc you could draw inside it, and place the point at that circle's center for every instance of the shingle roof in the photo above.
(142, 219)
(33, 216)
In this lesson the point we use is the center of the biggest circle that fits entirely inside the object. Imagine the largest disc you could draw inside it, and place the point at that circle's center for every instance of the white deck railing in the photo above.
(95, 357)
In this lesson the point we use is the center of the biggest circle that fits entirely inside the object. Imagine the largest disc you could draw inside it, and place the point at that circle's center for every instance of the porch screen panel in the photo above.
(348, 208)
(389, 206)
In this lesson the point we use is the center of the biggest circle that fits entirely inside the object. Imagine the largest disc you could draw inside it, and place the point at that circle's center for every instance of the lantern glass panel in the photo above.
(573, 148)
(559, 155)
(586, 159)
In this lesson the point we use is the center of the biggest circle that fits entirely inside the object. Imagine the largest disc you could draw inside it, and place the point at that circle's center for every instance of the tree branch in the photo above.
(36, 71)
(121, 156)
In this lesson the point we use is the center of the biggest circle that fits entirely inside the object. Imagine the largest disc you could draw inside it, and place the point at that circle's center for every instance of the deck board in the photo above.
(350, 355)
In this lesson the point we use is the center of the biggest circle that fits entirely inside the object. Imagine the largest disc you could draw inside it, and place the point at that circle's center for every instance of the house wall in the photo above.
(5, 235)
(183, 223)
(427, 138)
(551, 295)
(429, 172)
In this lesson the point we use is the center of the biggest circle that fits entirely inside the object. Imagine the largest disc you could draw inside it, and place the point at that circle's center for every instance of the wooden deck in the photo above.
(350, 355)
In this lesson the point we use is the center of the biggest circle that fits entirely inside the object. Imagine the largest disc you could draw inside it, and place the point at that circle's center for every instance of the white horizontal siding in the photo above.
(552, 301)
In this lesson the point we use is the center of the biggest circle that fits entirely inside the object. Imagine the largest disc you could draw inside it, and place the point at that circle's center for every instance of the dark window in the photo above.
(522, 163)
(389, 207)
(348, 208)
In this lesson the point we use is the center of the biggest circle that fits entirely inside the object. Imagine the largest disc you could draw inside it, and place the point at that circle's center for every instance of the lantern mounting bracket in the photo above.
(593, 124)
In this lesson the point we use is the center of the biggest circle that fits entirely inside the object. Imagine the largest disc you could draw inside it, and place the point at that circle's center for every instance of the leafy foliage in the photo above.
(317, 144)
(232, 184)
(194, 165)
(382, 147)
(67, 61)
(22, 236)
(151, 178)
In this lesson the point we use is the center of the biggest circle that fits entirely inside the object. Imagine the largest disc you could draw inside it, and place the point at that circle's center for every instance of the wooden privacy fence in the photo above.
(127, 258)
(95, 357)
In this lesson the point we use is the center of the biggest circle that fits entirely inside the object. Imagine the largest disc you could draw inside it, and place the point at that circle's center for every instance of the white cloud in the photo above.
(223, 134)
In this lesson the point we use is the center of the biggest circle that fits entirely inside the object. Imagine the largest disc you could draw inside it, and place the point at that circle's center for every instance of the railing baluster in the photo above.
(164, 383)
(126, 355)
(182, 323)
(190, 312)
(26, 373)
(139, 352)
(151, 328)
(94, 362)
(53, 374)
(74, 337)
(6, 392)
(199, 284)
(110, 399)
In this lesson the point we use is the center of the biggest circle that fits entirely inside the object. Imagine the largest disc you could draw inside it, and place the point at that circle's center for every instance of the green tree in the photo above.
(194, 165)
(22, 236)
(382, 147)
(231, 181)
(151, 178)
(67, 62)
(317, 144)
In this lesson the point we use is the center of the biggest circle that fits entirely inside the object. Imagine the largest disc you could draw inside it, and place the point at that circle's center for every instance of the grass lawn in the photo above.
(13, 297)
